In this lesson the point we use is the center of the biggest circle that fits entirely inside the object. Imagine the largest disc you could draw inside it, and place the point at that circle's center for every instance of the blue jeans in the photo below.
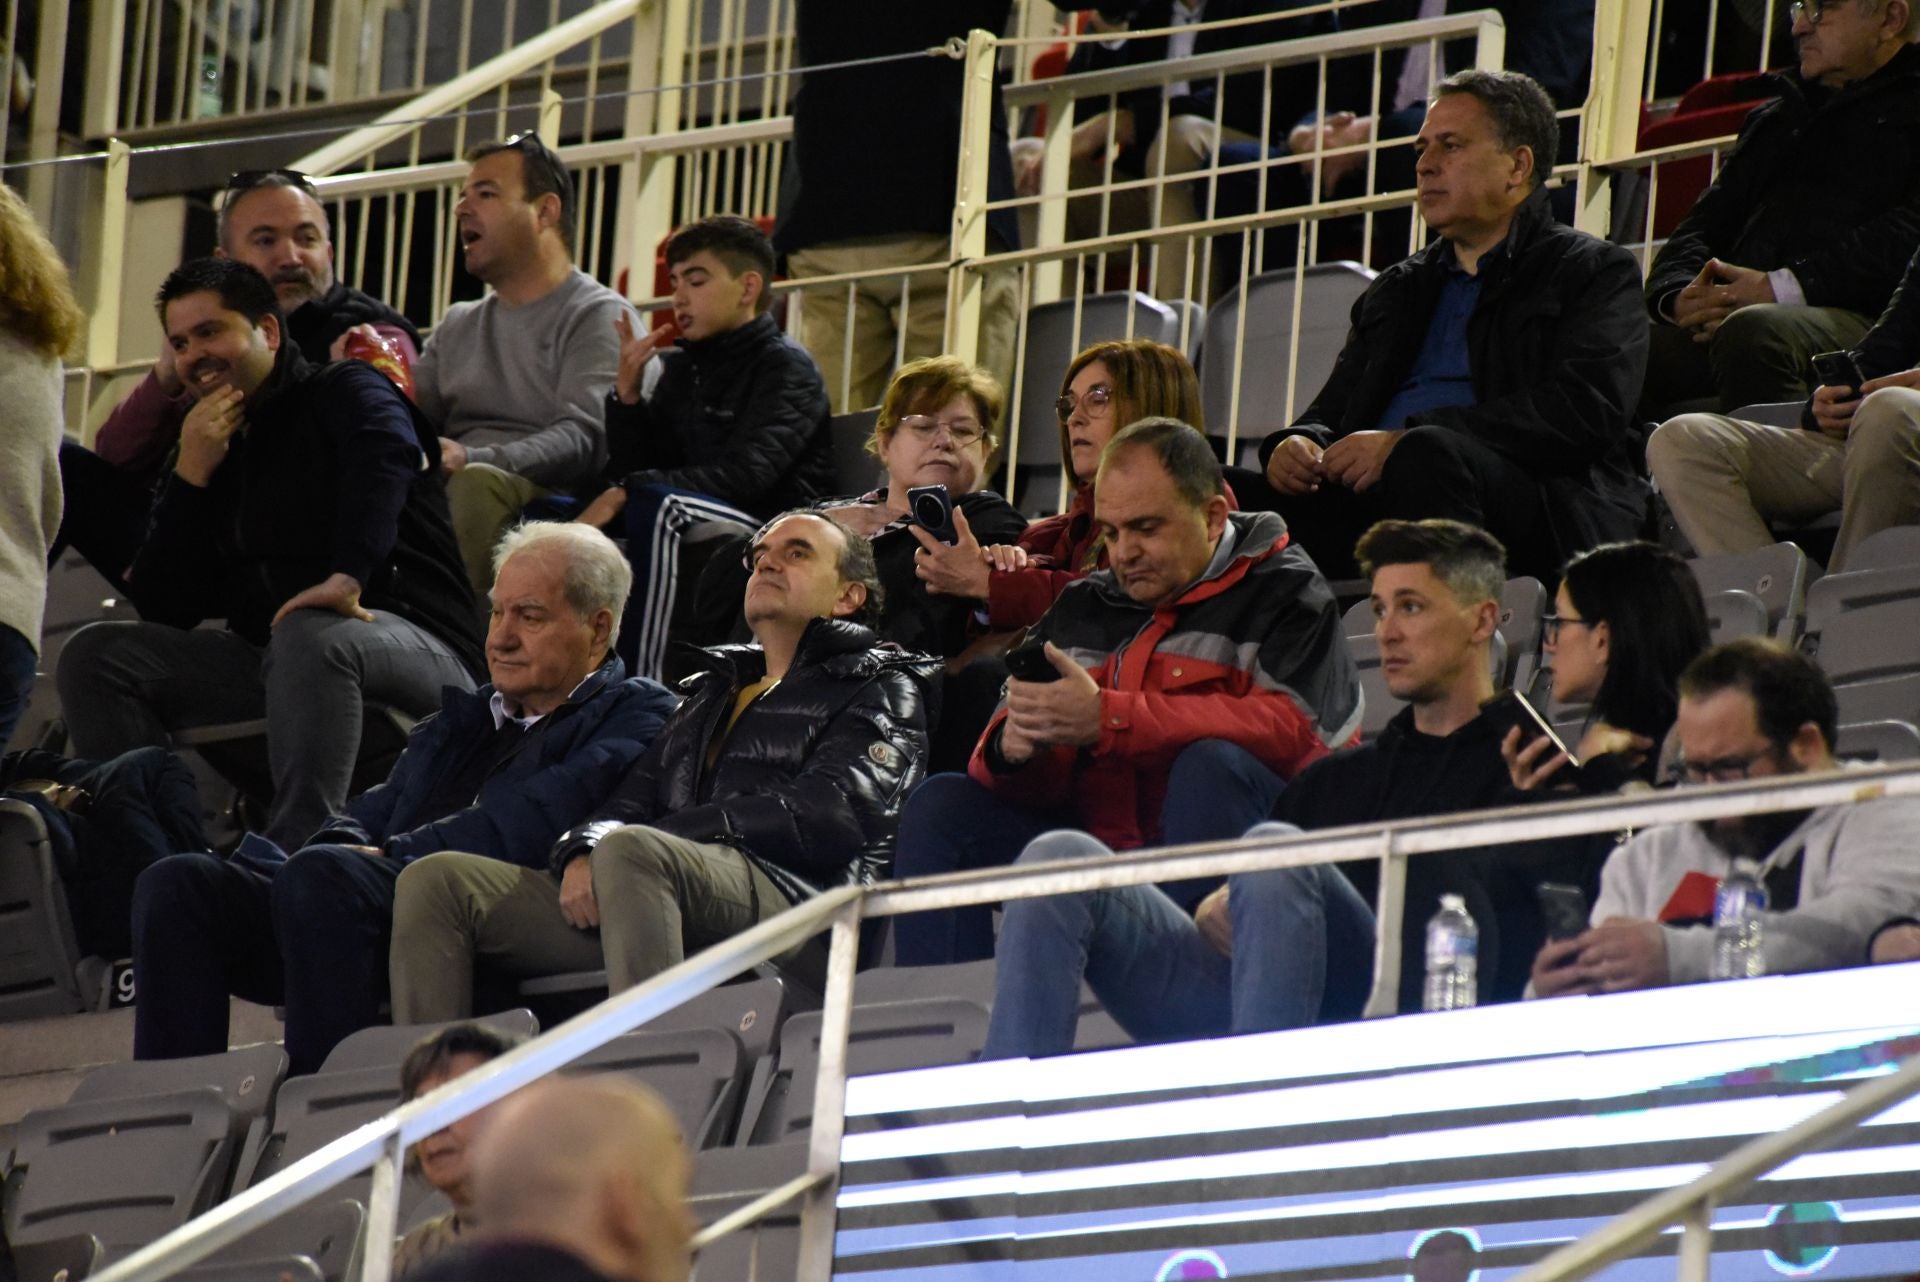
(1302, 954)
(18, 663)
(1215, 791)
(313, 933)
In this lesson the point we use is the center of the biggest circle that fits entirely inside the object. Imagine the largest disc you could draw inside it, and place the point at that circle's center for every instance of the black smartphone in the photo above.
(929, 507)
(1029, 662)
(1563, 907)
(1511, 708)
(1838, 369)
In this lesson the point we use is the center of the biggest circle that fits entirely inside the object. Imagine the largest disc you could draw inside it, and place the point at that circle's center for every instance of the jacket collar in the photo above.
(1904, 65)
(1255, 537)
(721, 347)
(290, 370)
(1532, 220)
(475, 706)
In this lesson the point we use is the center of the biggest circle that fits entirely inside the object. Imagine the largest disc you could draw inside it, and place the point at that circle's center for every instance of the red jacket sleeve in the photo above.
(1045, 778)
(1017, 598)
(1145, 725)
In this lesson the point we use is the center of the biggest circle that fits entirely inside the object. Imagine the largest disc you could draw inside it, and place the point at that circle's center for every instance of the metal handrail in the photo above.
(382, 1144)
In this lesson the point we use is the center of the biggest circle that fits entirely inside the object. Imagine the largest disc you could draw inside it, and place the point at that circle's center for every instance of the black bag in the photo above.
(106, 822)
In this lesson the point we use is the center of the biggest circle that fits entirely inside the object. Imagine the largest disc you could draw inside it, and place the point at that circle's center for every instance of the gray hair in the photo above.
(597, 576)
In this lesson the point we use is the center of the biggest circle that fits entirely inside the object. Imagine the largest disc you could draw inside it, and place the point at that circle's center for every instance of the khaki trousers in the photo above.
(486, 503)
(1726, 478)
(660, 897)
(854, 341)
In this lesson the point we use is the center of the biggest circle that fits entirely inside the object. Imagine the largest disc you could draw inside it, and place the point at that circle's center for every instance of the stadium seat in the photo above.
(1327, 296)
(854, 470)
(1878, 741)
(1894, 699)
(699, 1072)
(323, 1235)
(1838, 595)
(1379, 702)
(724, 1180)
(386, 1045)
(1894, 548)
(1523, 607)
(1735, 612)
(752, 1010)
(38, 953)
(1876, 643)
(66, 1259)
(1776, 574)
(283, 1268)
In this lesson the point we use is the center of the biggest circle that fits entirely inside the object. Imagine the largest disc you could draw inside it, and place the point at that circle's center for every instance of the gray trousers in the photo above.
(660, 897)
(132, 685)
(1726, 478)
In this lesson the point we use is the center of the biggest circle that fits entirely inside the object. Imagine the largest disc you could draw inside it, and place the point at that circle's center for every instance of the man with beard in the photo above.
(1749, 709)
(272, 221)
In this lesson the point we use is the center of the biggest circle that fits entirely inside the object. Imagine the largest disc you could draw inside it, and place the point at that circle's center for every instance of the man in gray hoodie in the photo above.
(1749, 709)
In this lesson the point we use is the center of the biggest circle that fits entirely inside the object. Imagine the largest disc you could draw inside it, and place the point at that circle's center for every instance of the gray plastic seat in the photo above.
(1831, 598)
(70, 1258)
(1878, 741)
(386, 1045)
(38, 954)
(699, 1072)
(1328, 292)
(1872, 643)
(1735, 612)
(1380, 705)
(1777, 575)
(326, 1235)
(1894, 548)
(280, 1268)
(724, 1180)
(1894, 699)
(1523, 607)
(854, 469)
(753, 1011)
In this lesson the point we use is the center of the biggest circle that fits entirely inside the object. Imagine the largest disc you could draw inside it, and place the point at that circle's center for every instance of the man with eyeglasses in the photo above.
(1798, 242)
(1749, 709)
(516, 380)
(271, 220)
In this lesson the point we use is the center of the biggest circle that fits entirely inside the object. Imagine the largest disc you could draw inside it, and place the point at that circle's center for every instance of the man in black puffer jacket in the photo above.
(733, 429)
(781, 774)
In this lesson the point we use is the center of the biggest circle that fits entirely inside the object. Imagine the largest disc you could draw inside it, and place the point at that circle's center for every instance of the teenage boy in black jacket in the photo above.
(1491, 377)
(305, 506)
(732, 430)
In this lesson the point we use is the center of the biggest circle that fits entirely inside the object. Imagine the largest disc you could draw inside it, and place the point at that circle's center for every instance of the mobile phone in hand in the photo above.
(1839, 369)
(1029, 662)
(930, 508)
(1563, 908)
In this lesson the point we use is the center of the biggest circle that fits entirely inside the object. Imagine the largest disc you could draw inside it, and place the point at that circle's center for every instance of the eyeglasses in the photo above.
(964, 431)
(248, 179)
(1722, 769)
(1810, 11)
(1550, 625)
(1095, 402)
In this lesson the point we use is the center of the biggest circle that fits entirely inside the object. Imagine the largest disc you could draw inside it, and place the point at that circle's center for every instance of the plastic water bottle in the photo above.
(1737, 924)
(208, 88)
(1453, 956)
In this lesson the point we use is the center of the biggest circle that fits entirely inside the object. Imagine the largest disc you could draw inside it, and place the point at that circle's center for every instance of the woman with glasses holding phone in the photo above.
(1627, 619)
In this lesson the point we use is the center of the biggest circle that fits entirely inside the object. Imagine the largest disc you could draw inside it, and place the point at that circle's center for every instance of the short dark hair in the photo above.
(434, 1053)
(1522, 113)
(542, 173)
(250, 180)
(240, 287)
(1185, 455)
(1471, 562)
(856, 564)
(1656, 624)
(1787, 688)
(736, 242)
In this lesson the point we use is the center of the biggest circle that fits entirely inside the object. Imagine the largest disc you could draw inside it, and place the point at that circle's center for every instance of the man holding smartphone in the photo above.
(1856, 451)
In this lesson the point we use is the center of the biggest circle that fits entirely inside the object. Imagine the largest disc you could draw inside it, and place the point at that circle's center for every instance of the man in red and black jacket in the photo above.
(1199, 672)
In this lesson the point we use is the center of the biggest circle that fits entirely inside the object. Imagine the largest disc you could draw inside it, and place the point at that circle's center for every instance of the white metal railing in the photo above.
(381, 1146)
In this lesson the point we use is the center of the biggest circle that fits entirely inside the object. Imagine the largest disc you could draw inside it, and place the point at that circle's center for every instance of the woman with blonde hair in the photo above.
(1107, 386)
(39, 323)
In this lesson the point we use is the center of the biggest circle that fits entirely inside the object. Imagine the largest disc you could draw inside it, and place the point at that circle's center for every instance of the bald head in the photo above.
(595, 1165)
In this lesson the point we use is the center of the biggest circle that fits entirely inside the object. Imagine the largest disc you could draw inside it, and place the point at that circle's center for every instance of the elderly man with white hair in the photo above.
(501, 771)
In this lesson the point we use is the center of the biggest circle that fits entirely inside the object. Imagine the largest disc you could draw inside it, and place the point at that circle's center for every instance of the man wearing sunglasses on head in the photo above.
(271, 220)
(1749, 709)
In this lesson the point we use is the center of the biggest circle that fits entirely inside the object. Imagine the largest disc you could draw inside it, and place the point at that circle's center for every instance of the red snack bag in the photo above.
(381, 352)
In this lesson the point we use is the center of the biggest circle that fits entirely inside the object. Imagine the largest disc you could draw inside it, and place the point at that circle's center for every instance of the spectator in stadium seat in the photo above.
(1749, 709)
(1856, 451)
(39, 320)
(445, 1158)
(1799, 240)
(1288, 947)
(577, 1180)
(1490, 377)
(780, 774)
(733, 430)
(272, 221)
(500, 771)
(1627, 619)
(515, 381)
(302, 509)
(1196, 675)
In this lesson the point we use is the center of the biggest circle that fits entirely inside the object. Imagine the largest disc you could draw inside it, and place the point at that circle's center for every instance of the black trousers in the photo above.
(105, 513)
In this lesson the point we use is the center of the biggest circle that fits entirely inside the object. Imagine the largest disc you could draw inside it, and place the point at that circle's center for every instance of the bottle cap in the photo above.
(1452, 901)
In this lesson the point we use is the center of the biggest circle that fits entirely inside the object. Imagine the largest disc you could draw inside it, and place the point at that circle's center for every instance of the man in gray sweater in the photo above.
(1749, 709)
(516, 382)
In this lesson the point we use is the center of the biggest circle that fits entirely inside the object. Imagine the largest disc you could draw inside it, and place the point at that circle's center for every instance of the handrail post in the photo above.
(969, 244)
(103, 323)
(106, 33)
(830, 1098)
(1056, 181)
(383, 1212)
(1390, 908)
(549, 126)
(652, 180)
(43, 119)
(1610, 125)
(1696, 1243)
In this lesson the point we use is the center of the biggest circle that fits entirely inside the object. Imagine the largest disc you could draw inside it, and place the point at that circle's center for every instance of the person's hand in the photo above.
(1833, 409)
(577, 903)
(453, 455)
(1601, 740)
(1294, 465)
(338, 352)
(337, 592)
(168, 376)
(1622, 954)
(1006, 557)
(1899, 378)
(1063, 713)
(1357, 460)
(1531, 766)
(1029, 156)
(1693, 303)
(603, 509)
(952, 569)
(1720, 290)
(1215, 922)
(1896, 944)
(206, 433)
(635, 351)
(1016, 746)
(1556, 969)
